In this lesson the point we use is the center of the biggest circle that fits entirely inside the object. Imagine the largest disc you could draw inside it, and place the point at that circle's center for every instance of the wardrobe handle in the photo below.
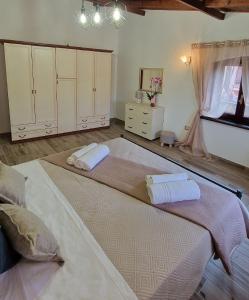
(21, 128)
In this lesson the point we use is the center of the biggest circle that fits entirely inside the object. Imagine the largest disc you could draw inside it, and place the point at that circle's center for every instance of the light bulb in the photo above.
(116, 14)
(83, 18)
(97, 17)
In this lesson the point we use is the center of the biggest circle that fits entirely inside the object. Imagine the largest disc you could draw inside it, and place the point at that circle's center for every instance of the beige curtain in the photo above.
(206, 60)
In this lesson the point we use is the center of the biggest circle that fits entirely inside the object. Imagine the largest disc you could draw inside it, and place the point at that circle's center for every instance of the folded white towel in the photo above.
(173, 191)
(92, 158)
(72, 159)
(163, 178)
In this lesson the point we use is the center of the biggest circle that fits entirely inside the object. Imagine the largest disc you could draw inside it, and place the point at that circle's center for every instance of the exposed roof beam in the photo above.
(130, 8)
(227, 3)
(158, 5)
(207, 10)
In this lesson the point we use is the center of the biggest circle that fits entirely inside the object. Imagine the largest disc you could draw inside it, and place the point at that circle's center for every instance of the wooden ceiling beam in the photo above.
(158, 5)
(213, 12)
(130, 8)
(227, 3)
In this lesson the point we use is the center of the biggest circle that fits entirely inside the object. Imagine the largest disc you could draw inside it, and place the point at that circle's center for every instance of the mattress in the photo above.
(160, 255)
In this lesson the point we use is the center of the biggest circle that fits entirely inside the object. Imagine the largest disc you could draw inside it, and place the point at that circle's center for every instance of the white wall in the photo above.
(50, 21)
(158, 40)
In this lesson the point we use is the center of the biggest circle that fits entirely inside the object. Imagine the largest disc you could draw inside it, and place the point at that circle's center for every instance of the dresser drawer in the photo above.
(33, 134)
(131, 126)
(131, 110)
(32, 127)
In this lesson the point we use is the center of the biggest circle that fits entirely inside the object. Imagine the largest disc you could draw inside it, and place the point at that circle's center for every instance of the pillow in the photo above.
(12, 186)
(28, 235)
(8, 256)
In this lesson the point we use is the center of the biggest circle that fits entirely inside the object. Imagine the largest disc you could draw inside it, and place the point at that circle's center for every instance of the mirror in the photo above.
(151, 80)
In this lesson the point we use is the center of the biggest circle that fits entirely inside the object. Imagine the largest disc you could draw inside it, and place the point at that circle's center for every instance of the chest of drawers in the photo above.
(144, 120)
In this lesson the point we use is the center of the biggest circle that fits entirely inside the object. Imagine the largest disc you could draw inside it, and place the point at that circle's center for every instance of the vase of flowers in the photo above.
(155, 86)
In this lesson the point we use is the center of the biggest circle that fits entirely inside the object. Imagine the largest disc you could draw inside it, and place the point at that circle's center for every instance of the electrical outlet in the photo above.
(187, 128)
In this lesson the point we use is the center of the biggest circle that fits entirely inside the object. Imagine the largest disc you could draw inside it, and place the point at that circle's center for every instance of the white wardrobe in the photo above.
(56, 90)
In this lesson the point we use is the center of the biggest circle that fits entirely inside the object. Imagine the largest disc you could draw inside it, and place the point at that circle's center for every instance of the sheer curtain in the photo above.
(213, 83)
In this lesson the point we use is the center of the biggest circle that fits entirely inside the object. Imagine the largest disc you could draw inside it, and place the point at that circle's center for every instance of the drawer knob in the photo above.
(144, 132)
(131, 108)
(84, 126)
(48, 125)
(21, 128)
(22, 136)
(102, 118)
(130, 118)
(145, 123)
(102, 124)
(85, 120)
(145, 113)
(48, 131)
(130, 127)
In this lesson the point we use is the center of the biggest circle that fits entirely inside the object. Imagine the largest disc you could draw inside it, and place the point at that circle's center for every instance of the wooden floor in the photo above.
(216, 284)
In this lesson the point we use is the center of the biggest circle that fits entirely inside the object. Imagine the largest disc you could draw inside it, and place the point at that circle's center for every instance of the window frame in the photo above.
(238, 117)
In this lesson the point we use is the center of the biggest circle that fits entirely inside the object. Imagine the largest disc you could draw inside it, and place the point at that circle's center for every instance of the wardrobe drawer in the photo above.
(33, 134)
(32, 127)
(100, 118)
(93, 125)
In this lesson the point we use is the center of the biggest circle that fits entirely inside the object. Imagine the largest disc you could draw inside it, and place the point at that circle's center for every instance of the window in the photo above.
(237, 110)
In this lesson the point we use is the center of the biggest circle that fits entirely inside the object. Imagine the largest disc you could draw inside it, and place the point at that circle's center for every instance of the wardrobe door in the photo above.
(66, 99)
(85, 84)
(102, 83)
(44, 83)
(20, 83)
(65, 63)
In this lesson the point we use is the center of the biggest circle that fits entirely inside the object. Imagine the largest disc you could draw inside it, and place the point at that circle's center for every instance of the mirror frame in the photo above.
(141, 79)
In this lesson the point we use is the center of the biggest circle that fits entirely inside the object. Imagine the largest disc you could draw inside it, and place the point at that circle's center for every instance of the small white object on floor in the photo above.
(175, 191)
(92, 158)
(163, 178)
(72, 159)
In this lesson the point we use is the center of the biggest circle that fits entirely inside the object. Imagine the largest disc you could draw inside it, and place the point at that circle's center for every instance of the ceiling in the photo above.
(214, 8)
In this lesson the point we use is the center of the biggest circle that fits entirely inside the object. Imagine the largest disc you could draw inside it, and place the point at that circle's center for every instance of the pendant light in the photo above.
(118, 13)
(97, 19)
(83, 16)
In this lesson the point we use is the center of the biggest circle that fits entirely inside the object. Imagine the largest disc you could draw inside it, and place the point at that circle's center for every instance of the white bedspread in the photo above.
(87, 272)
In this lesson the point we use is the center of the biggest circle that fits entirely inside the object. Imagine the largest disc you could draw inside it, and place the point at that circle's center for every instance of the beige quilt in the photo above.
(160, 255)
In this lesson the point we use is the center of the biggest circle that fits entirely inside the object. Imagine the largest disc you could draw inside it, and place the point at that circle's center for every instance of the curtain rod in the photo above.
(221, 44)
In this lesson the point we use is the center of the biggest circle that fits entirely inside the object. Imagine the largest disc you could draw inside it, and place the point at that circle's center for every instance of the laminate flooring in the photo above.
(216, 284)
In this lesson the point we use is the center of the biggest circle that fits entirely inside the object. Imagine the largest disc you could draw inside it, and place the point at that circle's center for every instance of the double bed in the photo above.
(114, 246)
